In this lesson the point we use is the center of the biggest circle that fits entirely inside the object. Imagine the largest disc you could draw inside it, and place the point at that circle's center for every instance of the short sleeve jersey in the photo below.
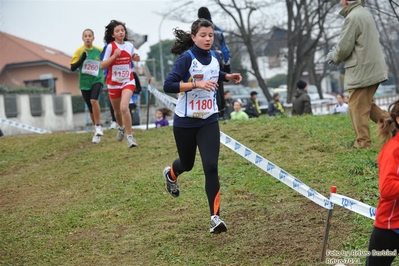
(89, 72)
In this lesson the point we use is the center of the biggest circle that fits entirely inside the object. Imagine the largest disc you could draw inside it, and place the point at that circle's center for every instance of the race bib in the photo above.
(200, 104)
(91, 67)
(121, 73)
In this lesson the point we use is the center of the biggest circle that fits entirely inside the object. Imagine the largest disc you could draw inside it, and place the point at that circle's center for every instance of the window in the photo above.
(42, 83)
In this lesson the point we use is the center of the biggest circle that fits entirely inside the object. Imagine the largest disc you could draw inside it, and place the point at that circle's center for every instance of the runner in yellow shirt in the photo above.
(91, 79)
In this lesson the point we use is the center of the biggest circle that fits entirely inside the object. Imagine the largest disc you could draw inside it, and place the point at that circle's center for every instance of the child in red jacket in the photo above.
(384, 240)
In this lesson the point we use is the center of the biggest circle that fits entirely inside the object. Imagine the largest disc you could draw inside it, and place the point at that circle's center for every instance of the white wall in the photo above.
(25, 123)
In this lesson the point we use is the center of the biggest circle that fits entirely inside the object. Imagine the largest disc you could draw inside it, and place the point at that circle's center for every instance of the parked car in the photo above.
(244, 94)
(314, 95)
(238, 92)
(312, 92)
(385, 90)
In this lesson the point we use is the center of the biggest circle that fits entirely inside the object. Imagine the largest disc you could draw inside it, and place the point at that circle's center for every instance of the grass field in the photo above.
(65, 201)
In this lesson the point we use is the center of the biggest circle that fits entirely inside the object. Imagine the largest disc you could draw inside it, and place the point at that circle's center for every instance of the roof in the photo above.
(275, 40)
(264, 44)
(19, 52)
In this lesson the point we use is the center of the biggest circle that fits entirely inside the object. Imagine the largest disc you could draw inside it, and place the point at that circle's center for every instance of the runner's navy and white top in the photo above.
(196, 107)
(199, 103)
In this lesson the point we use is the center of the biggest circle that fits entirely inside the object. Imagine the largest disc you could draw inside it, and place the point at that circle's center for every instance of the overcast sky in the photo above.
(59, 23)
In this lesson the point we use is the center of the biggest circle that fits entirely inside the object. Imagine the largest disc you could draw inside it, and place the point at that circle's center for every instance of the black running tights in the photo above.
(92, 94)
(382, 239)
(207, 138)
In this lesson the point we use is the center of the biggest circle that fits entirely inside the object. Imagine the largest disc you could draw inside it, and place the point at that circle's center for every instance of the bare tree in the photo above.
(306, 33)
(388, 25)
(306, 25)
(395, 7)
(241, 15)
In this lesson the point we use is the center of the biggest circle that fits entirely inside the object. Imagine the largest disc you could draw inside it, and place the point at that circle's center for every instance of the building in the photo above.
(25, 64)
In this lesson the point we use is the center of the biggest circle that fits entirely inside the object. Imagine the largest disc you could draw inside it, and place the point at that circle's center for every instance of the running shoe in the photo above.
(113, 125)
(120, 134)
(131, 142)
(171, 186)
(217, 225)
(96, 139)
(99, 131)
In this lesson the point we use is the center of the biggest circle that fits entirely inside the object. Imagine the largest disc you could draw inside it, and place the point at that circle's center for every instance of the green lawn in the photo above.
(66, 201)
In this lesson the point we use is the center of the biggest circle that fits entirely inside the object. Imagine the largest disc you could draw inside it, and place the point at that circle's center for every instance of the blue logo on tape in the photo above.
(258, 159)
(270, 166)
(347, 203)
(228, 140)
(327, 202)
(283, 174)
(311, 193)
(372, 211)
(296, 183)
(237, 146)
(247, 152)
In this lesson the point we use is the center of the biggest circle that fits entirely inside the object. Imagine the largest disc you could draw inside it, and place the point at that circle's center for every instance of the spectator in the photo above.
(301, 104)
(341, 107)
(228, 102)
(346, 99)
(137, 99)
(238, 114)
(252, 107)
(220, 46)
(161, 120)
(275, 107)
(385, 234)
(365, 68)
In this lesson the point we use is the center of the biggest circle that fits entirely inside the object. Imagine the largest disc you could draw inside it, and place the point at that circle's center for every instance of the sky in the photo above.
(59, 24)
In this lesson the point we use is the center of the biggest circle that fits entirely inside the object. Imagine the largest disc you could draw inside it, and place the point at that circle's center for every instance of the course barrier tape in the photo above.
(276, 171)
(289, 180)
(261, 162)
(166, 99)
(353, 205)
(23, 126)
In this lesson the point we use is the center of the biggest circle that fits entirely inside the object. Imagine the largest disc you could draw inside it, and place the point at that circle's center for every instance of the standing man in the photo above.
(275, 106)
(301, 104)
(220, 46)
(365, 68)
(252, 107)
(228, 101)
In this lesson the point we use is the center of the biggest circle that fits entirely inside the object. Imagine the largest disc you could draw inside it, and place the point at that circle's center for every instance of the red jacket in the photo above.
(387, 215)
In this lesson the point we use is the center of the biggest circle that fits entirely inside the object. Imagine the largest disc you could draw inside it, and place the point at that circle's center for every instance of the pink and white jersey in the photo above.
(120, 72)
(198, 103)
